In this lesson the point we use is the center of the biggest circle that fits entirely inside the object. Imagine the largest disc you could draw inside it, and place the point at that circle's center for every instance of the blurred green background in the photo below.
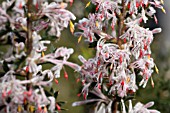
(160, 52)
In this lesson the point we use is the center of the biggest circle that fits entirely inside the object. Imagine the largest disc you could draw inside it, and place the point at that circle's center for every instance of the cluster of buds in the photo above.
(123, 53)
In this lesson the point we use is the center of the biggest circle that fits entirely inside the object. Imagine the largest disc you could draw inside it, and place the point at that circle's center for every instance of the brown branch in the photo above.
(29, 28)
(119, 42)
(115, 106)
(29, 37)
(121, 22)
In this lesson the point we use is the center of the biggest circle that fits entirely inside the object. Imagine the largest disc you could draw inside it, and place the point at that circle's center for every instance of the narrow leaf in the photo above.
(71, 27)
(163, 10)
(56, 94)
(156, 69)
(79, 39)
(2, 106)
(152, 83)
(87, 5)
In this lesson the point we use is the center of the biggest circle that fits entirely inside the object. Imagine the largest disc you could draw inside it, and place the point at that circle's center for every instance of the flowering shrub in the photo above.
(27, 26)
(109, 79)
(123, 54)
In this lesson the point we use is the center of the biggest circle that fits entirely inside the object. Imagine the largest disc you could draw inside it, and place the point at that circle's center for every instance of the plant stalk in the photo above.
(29, 28)
(115, 106)
(29, 36)
(119, 42)
(121, 23)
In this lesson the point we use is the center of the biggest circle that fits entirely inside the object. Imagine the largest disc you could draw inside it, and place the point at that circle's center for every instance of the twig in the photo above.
(115, 106)
(119, 42)
(29, 28)
(29, 36)
(121, 22)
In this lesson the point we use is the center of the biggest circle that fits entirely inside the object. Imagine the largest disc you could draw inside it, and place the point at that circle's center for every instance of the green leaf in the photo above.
(47, 93)
(10, 8)
(129, 97)
(52, 48)
(93, 44)
(61, 103)
(97, 36)
(52, 90)
(92, 85)
(2, 74)
(64, 109)
(56, 94)
(2, 106)
(3, 32)
(5, 66)
(8, 100)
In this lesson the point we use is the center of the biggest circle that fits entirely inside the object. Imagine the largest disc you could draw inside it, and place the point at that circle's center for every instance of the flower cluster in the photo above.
(122, 52)
(23, 81)
(58, 17)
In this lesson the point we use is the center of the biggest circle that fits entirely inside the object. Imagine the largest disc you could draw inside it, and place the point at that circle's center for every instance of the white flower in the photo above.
(63, 52)
(38, 44)
(59, 17)
(140, 108)
(57, 70)
(52, 104)
(144, 16)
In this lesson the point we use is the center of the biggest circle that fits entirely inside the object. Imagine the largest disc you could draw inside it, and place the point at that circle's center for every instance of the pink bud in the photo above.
(110, 83)
(99, 86)
(122, 83)
(85, 96)
(128, 6)
(37, 6)
(77, 80)
(137, 4)
(97, 8)
(71, 2)
(141, 19)
(156, 20)
(20, 5)
(9, 92)
(58, 107)
(141, 53)
(91, 39)
(112, 27)
(124, 40)
(29, 93)
(56, 81)
(98, 62)
(4, 94)
(79, 94)
(145, 47)
(65, 75)
(39, 108)
(120, 59)
(27, 69)
(100, 76)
